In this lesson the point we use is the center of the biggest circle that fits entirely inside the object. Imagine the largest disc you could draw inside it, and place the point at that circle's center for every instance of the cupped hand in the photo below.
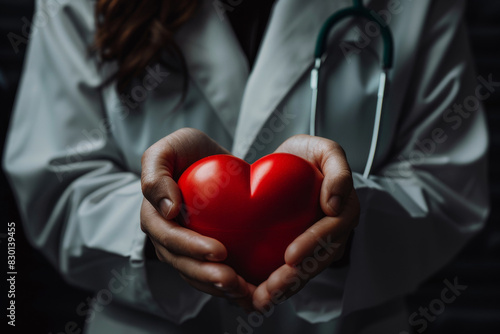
(197, 258)
(324, 242)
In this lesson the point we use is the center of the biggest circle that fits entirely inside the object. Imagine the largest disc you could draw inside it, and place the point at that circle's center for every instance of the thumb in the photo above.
(164, 161)
(337, 183)
(331, 160)
(158, 185)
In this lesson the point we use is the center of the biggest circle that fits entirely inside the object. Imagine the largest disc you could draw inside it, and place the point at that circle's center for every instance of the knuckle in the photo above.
(332, 146)
(335, 149)
(341, 181)
(177, 241)
(165, 240)
(191, 132)
(149, 184)
(177, 139)
(299, 137)
(345, 175)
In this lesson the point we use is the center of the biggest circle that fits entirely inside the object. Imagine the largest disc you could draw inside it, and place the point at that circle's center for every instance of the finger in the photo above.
(203, 286)
(243, 301)
(288, 280)
(261, 296)
(280, 285)
(164, 162)
(215, 278)
(243, 298)
(321, 241)
(337, 182)
(177, 239)
(330, 159)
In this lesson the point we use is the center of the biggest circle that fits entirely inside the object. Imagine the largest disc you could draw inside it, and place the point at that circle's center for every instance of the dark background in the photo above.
(45, 303)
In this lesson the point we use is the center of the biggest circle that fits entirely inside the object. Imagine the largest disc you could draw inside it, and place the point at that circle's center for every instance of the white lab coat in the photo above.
(73, 158)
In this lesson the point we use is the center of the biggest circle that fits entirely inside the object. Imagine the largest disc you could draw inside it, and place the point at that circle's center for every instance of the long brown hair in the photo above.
(135, 32)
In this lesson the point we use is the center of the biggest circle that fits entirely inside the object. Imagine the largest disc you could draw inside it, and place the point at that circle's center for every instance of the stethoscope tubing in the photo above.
(357, 10)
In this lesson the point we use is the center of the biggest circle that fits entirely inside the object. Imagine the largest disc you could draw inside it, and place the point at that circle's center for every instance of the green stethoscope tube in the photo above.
(357, 10)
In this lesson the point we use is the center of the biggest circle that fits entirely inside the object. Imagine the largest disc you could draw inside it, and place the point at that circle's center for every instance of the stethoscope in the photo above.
(357, 10)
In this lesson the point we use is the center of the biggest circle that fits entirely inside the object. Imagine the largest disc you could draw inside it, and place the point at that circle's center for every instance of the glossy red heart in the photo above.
(255, 210)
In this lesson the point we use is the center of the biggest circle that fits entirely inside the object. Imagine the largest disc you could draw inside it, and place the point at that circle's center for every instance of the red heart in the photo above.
(256, 210)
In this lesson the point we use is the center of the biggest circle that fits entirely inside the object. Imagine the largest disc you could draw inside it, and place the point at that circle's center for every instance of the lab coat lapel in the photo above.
(215, 61)
(287, 51)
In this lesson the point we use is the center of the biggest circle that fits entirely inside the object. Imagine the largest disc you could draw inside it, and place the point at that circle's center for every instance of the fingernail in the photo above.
(211, 257)
(166, 206)
(335, 203)
(220, 287)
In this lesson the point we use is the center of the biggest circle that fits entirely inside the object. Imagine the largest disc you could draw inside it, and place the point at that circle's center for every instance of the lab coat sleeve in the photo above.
(79, 203)
(430, 197)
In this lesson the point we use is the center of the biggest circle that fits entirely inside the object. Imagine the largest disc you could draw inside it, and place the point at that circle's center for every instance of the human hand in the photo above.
(324, 242)
(197, 258)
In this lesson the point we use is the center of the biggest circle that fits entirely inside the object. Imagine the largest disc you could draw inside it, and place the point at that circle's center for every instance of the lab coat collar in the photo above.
(287, 51)
(216, 62)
